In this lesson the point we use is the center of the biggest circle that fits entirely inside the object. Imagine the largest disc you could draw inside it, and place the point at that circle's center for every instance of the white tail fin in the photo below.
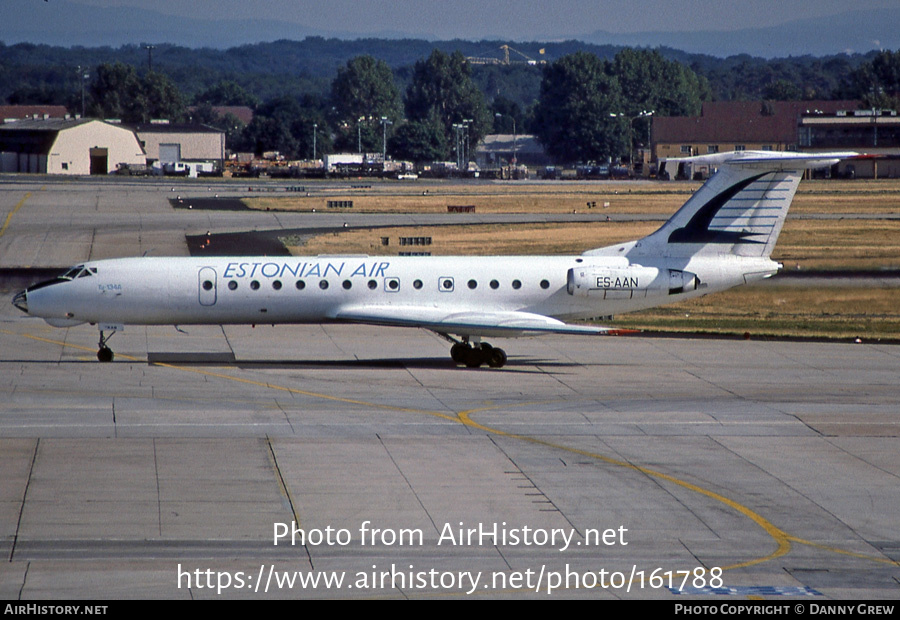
(740, 210)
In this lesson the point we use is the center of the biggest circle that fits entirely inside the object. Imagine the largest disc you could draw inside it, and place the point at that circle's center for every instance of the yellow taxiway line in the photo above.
(782, 539)
(9, 216)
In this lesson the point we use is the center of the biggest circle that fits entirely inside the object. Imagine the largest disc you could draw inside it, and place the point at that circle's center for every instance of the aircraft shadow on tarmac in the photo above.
(515, 364)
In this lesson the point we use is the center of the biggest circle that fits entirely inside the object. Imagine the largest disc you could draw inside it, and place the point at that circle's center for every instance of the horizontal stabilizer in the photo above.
(768, 160)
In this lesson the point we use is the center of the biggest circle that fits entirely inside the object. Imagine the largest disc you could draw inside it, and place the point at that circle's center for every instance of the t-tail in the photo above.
(740, 210)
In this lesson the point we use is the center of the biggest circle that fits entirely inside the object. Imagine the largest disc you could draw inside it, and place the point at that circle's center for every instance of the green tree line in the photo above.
(582, 106)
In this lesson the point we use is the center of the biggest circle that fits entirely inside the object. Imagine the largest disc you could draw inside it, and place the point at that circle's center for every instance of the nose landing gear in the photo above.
(104, 353)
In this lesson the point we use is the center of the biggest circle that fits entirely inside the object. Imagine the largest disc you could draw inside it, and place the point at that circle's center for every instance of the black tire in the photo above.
(458, 353)
(497, 358)
(105, 354)
(474, 357)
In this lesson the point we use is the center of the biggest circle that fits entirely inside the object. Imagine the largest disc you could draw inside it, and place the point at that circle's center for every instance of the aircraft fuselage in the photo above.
(156, 291)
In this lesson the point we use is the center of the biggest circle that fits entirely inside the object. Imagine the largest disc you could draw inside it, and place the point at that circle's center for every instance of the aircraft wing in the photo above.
(467, 323)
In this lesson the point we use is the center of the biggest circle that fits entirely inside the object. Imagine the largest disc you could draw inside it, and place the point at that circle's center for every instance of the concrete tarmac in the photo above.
(603, 467)
(53, 222)
(164, 473)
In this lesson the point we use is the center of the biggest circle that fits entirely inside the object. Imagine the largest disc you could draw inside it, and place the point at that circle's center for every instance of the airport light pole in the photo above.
(875, 114)
(150, 49)
(457, 128)
(513, 160)
(643, 114)
(82, 76)
(384, 124)
(359, 122)
(315, 127)
(467, 122)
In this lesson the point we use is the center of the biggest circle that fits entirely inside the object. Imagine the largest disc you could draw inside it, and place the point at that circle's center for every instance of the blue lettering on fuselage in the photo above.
(270, 273)
(337, 270)
(303, 269)
(287, 268)
(313, 271)
(359, 271)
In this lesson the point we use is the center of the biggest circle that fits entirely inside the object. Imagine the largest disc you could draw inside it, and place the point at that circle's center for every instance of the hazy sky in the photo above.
(515, 20)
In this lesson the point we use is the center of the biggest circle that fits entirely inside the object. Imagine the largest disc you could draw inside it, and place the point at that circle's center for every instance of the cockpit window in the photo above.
(79, 271)
(72, 273)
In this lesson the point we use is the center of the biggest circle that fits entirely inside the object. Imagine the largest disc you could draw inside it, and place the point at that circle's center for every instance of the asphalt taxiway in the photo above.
(616, 461)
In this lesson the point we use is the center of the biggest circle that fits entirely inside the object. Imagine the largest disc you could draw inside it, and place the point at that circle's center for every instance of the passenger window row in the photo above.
(391, 284)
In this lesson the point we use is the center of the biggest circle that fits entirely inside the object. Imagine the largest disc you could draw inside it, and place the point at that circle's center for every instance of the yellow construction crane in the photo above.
(528, 59)
(482, 60)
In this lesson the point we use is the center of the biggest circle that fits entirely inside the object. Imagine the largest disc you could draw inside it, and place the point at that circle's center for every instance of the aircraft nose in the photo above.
(20, 301)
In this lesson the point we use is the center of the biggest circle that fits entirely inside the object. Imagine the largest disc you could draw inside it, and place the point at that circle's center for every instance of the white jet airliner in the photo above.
(720, 238)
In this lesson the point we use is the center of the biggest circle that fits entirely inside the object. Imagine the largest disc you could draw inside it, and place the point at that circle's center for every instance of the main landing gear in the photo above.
(104, 353)
(475, 356)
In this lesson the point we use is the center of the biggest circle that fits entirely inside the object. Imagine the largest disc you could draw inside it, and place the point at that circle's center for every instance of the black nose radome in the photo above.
(20, 301)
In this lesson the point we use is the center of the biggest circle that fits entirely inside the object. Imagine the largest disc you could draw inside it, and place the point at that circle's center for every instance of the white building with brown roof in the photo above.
(12, 113)
(736, 126)
(809, 126)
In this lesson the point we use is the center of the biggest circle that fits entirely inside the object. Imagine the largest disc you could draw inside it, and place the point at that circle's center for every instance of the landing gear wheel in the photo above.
(105, 354)
(496, 358)
(474, 357)
(458, 352)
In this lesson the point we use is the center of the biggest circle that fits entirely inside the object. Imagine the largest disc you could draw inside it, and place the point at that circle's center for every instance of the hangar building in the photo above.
(169, 143)
(67, 146)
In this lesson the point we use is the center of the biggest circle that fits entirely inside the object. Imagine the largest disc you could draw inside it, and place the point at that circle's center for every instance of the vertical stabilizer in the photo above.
(740, 210)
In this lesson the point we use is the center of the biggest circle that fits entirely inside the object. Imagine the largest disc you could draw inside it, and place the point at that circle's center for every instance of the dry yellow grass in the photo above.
(480, 239)
(488, 199)
(777, 310)
(839, 244)
(781, 310)
(651, 197)
(805, 244)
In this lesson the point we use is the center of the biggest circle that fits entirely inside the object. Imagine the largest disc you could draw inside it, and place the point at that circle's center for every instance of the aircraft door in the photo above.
(206, 281)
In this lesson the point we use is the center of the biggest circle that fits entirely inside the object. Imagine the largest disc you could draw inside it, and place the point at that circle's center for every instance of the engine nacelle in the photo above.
(628, 282)
(682, 281)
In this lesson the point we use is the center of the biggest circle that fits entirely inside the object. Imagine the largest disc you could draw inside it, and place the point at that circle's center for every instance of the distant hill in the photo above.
(310, 56)
(31, 73)
(67, 24)
(851, 32)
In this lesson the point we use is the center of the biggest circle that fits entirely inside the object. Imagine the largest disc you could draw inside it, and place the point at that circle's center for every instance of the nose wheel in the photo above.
(104, 353)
